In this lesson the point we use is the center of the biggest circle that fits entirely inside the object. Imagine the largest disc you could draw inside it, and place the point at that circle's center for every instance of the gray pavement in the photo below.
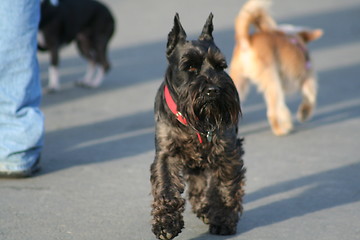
(99, 143)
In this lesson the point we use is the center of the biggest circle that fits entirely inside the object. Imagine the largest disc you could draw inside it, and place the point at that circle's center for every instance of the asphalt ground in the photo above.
(94, 182)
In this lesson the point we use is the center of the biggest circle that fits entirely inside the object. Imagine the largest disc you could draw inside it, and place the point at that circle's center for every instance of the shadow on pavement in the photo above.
(322, 191)
(99, 142)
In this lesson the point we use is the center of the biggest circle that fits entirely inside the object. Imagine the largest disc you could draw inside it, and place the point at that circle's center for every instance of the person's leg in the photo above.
(21, 121)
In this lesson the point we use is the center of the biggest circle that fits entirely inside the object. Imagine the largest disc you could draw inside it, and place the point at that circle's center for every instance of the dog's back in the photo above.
(269, 46)
(74, 16)
(273, 49)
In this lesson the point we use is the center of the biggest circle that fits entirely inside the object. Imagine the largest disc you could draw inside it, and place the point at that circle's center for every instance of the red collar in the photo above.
(173, 107)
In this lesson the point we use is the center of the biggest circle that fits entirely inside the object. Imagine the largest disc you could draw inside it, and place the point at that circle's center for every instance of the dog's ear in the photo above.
(177, 35)
(208, 28)
(311, 35)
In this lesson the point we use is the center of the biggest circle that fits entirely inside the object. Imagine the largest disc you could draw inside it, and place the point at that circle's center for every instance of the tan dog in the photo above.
(276, 59)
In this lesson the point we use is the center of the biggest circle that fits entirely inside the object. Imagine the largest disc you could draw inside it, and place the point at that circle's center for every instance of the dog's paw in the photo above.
(223, 221)
(85, 84)
(166, 236)
(81, 84)
(167, 227)
(304, 112)
(51, 90)
(222, 229)
(281, 128)
(282, 131)
(167, 217)
(205, 219)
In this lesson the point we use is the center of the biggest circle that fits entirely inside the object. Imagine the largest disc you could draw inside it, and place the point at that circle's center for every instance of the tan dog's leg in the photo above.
(242, 86)
(309, 92)
(278, 113)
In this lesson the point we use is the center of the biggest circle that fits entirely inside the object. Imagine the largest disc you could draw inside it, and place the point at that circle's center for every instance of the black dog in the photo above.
(89, 23)
(196, 111)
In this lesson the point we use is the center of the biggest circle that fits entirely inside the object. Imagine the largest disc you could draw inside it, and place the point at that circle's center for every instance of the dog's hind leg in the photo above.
(309, 92)
(102, 62)
(168, 205)
(99, 77)
(278, 114)
(89, 74)
(95, 52)
(85, 45)
(225, 198)
(101, 53)
(85, 48)
(54, 77)
(197, 190)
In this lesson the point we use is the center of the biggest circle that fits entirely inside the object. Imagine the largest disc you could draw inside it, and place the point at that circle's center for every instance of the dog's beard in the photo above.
(208, 114)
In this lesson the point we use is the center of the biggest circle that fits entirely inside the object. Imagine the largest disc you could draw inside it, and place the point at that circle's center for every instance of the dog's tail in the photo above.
(254, 12)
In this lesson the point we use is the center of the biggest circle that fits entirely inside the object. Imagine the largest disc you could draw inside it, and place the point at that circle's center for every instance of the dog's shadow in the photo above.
(316, 192)
(321, 191)
(115, 138)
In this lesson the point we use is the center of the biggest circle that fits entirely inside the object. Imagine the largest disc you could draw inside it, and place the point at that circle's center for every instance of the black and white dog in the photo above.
(89, 23)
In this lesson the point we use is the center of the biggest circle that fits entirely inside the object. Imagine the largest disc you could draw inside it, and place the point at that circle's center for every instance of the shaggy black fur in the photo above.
(213, 169)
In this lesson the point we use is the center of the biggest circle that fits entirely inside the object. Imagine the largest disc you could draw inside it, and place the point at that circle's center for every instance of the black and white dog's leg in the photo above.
(93, 77)
(54, 77)
(89, 75)
(102, 62)
(168, 205)
(98, 78)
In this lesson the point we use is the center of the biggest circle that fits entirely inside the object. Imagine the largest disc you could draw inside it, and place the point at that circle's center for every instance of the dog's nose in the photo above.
(212, 91)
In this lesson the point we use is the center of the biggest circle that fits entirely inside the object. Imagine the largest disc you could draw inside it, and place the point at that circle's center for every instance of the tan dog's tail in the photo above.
(253, 12)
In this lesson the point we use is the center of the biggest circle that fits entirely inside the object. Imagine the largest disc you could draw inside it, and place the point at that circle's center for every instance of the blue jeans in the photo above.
(21, 121)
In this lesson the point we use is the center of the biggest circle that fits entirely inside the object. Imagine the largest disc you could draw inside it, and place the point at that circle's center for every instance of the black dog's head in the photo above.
(203, 91)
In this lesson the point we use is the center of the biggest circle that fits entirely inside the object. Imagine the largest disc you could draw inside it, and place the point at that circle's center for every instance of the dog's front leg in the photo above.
(225, 197)
(168, 205)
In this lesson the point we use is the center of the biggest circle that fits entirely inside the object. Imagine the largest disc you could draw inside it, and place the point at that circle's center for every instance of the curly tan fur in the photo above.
(277, 60)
